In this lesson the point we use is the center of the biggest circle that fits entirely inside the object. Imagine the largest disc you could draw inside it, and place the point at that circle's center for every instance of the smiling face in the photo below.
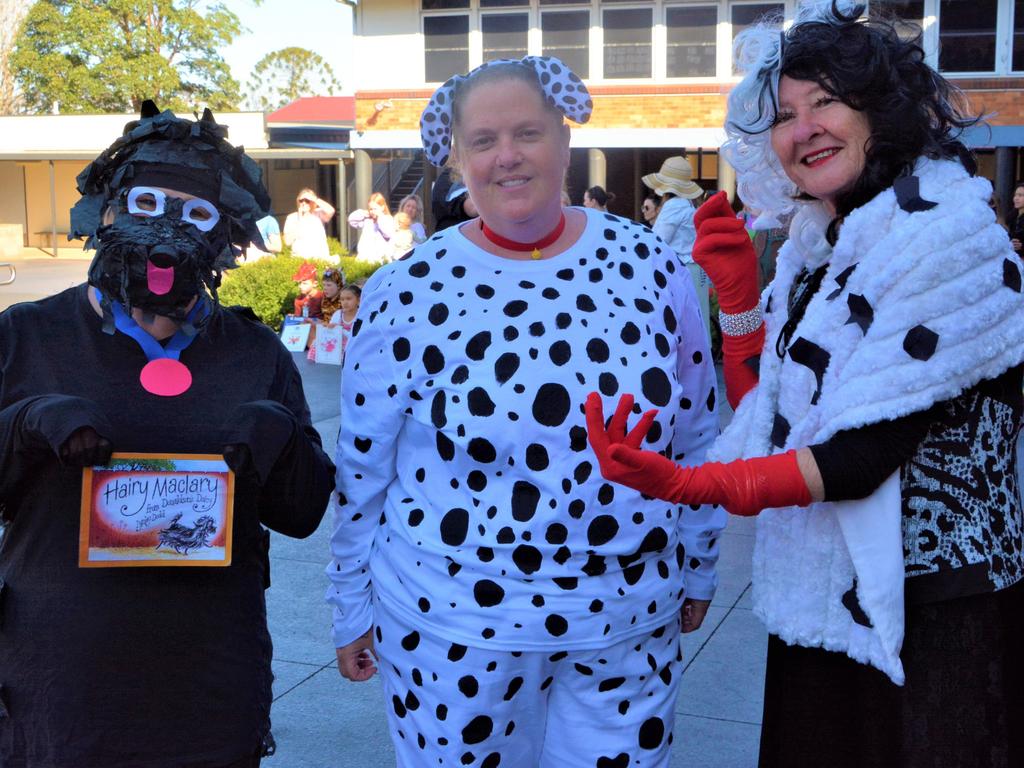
(819, 140)
(513, 153)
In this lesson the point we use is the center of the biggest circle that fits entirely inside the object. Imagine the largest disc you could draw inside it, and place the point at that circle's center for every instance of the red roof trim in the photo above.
(316, 109)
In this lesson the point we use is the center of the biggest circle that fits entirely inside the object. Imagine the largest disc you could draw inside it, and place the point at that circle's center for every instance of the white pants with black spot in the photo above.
(449, 705)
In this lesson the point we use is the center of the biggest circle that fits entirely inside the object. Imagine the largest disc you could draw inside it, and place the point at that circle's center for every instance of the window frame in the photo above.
(719, 22)
(655, 47)
(999, 33)
(588, 9)
(424, 15)
(526, 11)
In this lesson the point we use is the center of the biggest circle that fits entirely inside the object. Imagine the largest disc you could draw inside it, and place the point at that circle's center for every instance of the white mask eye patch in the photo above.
(200, 213)
(146, 201)
(152, 202)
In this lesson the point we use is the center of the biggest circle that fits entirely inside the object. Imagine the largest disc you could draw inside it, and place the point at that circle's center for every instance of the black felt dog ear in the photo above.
(149, 109)
(208, 116)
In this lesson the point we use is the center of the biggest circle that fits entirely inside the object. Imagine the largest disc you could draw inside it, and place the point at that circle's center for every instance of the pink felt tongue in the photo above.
(159, 279)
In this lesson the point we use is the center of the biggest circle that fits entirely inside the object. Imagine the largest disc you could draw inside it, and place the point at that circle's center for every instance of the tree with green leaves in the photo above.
(288, 74)
(11, 14)
(110, 55)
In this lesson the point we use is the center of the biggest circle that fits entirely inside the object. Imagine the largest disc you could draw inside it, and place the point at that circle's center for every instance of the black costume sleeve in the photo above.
(33, 430)
(854, 462)
(447, 213)
(296, 477)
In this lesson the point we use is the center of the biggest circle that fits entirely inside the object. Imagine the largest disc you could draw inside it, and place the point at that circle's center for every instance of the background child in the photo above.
(333, 282)
(346, 316)
(403, 239)
(308, 302)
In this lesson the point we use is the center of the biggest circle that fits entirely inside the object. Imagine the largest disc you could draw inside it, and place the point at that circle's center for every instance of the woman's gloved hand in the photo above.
(723, 250)
(743, 487)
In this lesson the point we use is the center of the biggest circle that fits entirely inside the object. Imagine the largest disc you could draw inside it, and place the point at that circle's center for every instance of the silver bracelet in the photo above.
(742, 323)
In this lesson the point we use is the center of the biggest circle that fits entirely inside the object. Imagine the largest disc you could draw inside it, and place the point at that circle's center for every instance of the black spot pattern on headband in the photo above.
(920, 342)
(556, 80)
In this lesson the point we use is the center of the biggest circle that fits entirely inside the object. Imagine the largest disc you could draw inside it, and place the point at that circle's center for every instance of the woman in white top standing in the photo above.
(674, 182)
(304, 230)
(376, 227)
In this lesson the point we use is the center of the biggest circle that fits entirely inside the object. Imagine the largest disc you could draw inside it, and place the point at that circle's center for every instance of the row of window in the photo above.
(693, 34)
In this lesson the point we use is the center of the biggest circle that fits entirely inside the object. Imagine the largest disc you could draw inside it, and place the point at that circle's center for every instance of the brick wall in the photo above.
(684, 106)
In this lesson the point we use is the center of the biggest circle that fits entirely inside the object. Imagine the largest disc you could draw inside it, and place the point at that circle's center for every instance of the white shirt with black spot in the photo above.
(468, 494)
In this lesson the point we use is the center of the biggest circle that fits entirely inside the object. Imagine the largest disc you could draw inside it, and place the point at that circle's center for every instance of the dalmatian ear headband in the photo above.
(563, 89)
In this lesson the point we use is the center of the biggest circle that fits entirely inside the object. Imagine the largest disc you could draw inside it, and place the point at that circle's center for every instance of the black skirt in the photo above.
(962, 704)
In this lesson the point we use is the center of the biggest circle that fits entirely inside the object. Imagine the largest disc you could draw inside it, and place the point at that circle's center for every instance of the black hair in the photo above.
(911, 109)
(654, 197)
(353, 289)
(600, 196)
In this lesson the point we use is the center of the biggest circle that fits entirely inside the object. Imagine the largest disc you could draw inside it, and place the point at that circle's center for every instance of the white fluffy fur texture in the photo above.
(942, 268)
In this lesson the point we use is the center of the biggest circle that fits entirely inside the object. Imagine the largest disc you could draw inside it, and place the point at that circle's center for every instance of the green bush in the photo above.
(266, 286)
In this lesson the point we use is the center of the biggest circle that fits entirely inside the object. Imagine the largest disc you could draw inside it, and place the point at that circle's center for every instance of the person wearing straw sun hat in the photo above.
(674, 182)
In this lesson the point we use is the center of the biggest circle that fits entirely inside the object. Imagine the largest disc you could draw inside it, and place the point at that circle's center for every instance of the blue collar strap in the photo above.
(152, 348)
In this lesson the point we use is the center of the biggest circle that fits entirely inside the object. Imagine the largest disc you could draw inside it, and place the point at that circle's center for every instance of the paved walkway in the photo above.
(324, 721)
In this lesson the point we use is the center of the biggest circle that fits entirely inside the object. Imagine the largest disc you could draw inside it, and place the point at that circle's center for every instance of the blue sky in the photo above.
(322, 26)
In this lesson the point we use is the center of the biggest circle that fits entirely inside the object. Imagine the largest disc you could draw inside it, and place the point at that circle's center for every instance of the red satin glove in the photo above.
(723, 249)
(743, 487)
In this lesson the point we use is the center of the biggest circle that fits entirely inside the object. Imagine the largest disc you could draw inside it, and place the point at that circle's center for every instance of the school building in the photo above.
(659, 72)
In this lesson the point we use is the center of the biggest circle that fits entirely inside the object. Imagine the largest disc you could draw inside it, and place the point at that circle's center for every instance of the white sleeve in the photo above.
(667, 222)
(335, 317)
(358, 217)
(371, 421)
(696, 428)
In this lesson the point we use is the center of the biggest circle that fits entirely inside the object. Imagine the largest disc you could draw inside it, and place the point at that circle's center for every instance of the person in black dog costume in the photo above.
(157, 667)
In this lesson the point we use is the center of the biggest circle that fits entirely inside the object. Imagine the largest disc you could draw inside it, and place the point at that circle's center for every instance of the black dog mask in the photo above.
(160, 257)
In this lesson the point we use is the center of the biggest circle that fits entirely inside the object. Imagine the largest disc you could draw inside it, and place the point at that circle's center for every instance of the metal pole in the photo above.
(53, 208)
(597, 169)
(343, 228)
(1006, 164)
(426, 197)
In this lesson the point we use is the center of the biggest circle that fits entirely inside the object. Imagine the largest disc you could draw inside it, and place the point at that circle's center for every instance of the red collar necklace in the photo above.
(534, 248)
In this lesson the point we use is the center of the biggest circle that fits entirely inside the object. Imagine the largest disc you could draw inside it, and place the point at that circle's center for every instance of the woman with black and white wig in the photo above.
(876, 439)
(525, 611)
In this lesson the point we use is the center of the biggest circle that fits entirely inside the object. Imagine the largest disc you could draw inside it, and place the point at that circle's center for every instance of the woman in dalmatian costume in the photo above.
(877, 441)
(524, 611)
